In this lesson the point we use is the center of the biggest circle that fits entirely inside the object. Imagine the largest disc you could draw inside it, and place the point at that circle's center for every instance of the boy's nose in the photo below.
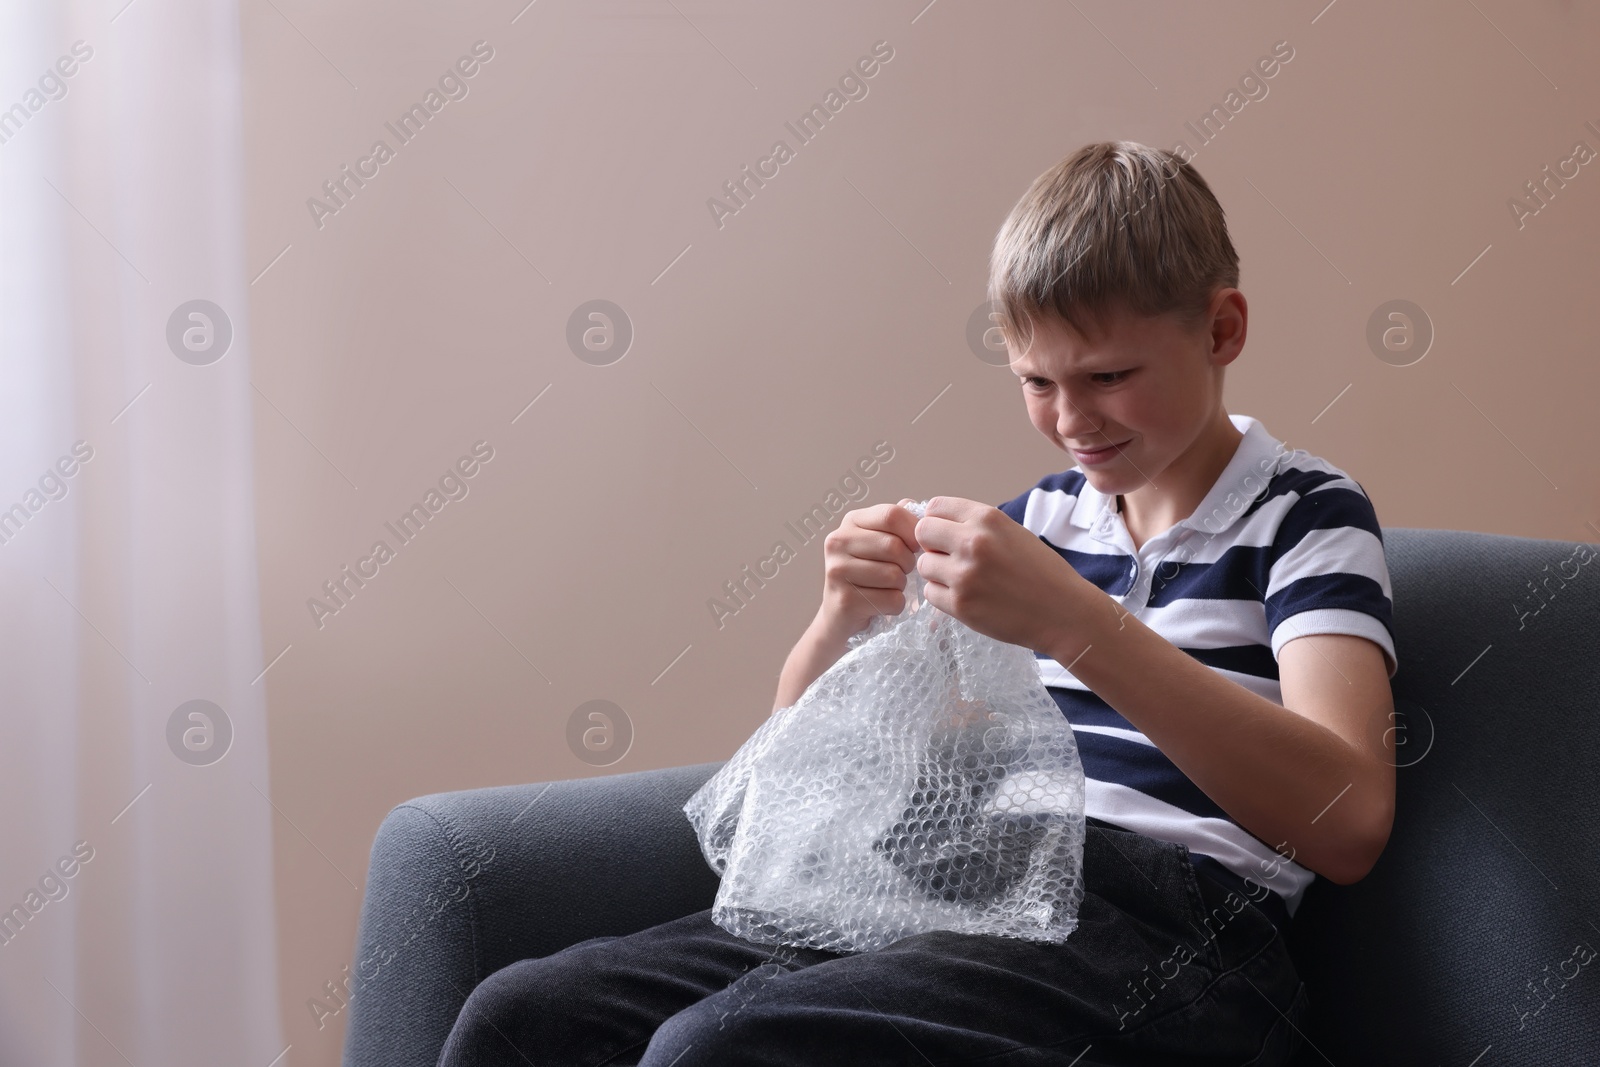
(1076, 424)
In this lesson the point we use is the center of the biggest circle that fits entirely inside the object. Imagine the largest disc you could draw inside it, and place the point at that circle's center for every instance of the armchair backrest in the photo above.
(1478, 928)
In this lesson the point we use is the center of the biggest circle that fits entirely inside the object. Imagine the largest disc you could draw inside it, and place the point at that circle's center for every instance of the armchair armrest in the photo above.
(461, 884)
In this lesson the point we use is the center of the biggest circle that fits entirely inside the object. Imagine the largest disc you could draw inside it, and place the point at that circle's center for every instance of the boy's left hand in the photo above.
(996, 576)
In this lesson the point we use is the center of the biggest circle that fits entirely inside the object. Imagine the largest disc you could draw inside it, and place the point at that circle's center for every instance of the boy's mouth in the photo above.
(1098, 455)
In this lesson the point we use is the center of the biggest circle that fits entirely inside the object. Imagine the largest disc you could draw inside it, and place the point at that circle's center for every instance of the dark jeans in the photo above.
(1166, 966)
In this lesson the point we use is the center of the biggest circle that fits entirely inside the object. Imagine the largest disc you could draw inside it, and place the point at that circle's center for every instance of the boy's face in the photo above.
(1142, 384)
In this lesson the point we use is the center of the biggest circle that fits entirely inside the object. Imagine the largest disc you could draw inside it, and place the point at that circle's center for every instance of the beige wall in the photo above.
(820, 319)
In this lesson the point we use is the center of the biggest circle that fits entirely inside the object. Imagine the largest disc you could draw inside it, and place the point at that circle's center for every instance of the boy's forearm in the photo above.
(1282, 776)
(819, 648)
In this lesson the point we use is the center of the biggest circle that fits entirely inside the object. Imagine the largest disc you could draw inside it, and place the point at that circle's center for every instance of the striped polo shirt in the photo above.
(1284, 545)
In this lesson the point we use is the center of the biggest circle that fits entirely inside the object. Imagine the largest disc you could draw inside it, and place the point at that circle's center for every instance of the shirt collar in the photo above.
(1254, 462)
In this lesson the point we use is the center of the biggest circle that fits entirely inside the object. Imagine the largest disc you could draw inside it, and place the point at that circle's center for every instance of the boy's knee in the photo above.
(704, 1034)
(488, 1028)
(721, 1033)
(509, 1017)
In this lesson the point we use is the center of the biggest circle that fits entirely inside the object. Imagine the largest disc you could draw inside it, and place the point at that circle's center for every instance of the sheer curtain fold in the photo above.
(127, 549)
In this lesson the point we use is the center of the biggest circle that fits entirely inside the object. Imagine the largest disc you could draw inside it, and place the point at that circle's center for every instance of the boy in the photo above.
(1210, 611)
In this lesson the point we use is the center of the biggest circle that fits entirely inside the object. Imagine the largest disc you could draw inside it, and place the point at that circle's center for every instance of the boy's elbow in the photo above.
(1366, 844)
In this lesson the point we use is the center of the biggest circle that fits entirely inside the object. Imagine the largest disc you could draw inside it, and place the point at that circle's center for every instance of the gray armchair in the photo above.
(1469, 943)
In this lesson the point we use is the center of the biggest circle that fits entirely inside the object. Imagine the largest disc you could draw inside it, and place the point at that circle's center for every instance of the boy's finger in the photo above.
(911, 543)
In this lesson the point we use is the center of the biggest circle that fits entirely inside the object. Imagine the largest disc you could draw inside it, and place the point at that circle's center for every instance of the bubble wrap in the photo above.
(926, 781)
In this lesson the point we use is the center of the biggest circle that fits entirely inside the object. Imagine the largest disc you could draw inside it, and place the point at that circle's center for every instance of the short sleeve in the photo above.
(1328, 574)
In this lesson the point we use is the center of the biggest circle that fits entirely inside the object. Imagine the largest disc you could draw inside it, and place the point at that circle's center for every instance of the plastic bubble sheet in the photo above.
(926, 781)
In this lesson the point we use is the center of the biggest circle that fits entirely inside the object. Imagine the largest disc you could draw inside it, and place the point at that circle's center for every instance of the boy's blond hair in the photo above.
(1116, 225)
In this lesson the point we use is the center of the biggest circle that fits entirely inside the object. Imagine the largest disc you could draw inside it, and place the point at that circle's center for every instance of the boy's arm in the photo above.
(819, 648)
(868, 556)
(1309, 777)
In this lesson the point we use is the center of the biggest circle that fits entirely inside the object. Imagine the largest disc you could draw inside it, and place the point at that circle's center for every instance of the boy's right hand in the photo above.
(865, 564)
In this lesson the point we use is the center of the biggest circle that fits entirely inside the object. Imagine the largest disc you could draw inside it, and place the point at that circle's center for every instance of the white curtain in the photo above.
(136, 903)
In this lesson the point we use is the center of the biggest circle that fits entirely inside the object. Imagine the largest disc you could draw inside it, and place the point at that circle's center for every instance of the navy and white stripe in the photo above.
(1283, 545)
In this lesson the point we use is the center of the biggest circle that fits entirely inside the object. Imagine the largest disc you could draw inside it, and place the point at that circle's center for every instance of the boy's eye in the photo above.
(1105, 378)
